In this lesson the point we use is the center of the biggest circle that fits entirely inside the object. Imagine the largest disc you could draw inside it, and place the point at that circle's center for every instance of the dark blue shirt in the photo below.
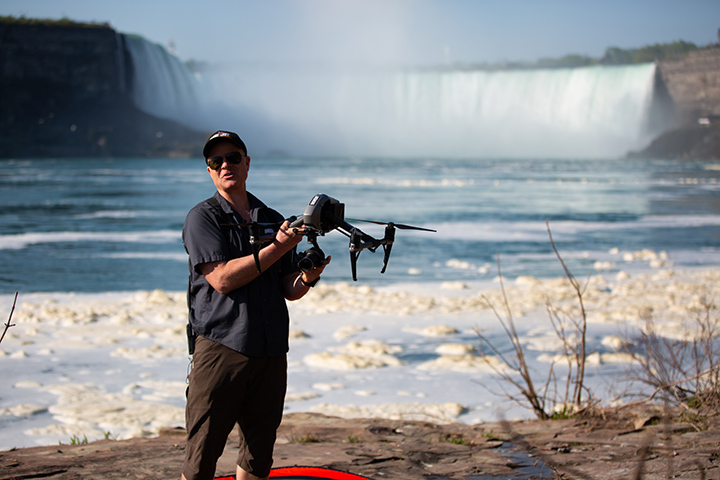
(252, 319)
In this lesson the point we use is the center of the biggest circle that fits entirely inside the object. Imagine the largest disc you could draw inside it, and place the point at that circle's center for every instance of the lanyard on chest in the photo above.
(260, 233)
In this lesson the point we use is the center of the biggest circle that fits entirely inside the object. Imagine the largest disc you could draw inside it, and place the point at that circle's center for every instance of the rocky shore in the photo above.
(693, 84)
(692, 142)
(646, 442)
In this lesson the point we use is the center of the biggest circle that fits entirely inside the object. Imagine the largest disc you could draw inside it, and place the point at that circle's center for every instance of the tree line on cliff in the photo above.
(612, 56)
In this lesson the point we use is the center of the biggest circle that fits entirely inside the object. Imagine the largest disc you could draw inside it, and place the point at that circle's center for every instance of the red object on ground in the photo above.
(307, 473)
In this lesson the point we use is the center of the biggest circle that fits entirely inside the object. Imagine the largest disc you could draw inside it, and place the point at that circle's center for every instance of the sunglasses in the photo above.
(232, 157)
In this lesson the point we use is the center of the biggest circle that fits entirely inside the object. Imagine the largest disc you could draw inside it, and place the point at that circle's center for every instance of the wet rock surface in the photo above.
(693, 142)
(644, 443)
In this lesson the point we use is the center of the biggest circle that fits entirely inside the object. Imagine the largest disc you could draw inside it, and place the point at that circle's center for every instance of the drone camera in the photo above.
(311, 258)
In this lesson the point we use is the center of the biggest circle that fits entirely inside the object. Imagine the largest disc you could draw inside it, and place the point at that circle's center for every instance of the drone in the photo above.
(323, 215)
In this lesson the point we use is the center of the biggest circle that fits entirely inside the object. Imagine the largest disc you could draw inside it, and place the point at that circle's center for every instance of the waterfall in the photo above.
(594, 111)
(589, 112)
(161, 85)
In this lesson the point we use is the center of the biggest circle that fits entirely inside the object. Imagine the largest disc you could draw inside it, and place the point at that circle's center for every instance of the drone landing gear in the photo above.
(387, 246)
(360, 241)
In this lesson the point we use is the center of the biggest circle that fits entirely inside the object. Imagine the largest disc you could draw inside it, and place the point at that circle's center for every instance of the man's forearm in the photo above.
(238, 272)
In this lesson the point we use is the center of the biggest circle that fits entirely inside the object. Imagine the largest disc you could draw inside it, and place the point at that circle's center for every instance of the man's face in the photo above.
(229, 176)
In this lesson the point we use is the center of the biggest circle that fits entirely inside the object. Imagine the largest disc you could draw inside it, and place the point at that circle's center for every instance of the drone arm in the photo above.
(295, 222)
(362, 240)
(341, 224)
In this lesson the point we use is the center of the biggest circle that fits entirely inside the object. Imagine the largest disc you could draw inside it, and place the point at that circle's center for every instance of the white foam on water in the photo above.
(23, 240)
(115, 364)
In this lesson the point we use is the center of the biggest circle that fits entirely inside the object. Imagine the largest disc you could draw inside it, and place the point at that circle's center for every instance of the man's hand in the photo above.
(287, 238)
(297, 285)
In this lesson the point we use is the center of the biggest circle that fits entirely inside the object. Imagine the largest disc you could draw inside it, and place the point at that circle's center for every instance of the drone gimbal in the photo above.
(324, 214)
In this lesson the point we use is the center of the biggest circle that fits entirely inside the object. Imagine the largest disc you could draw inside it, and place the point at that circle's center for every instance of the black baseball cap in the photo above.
(223, 136)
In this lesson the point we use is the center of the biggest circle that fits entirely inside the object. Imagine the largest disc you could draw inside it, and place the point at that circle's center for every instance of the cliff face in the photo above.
(66, 92)
(76, 63)
(694, 83)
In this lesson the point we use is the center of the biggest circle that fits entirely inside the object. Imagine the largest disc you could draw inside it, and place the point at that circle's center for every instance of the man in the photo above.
(239, 317)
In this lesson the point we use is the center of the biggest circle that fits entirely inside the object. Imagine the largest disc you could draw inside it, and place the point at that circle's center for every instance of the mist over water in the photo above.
(595, 112)
(322, 110)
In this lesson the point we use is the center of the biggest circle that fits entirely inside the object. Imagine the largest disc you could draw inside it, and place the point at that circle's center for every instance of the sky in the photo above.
(391, 32)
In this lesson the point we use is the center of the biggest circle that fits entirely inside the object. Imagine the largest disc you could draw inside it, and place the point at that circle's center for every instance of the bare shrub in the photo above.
(517, 365)
(545, 402)
(684, 371)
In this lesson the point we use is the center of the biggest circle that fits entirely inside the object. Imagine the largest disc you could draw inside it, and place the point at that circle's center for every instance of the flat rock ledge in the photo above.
(645, 443)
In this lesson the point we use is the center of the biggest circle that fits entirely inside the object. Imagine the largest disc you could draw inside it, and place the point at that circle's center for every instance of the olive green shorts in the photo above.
(228, 388)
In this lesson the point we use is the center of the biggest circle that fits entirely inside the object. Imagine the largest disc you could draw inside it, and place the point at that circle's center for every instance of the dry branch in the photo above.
(8, 324)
